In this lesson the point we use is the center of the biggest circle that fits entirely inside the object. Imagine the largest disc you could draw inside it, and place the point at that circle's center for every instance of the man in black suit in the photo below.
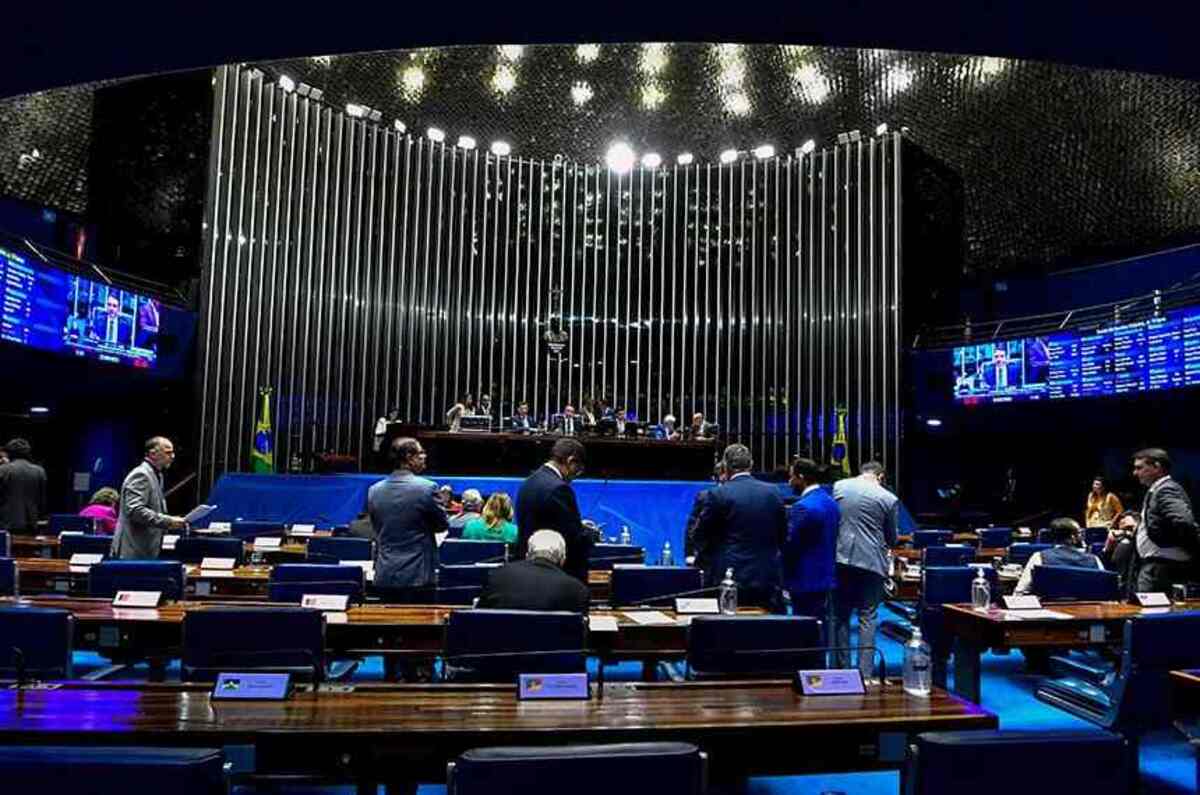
(22, 489)
(546, 501)
(538, 582)
(743, 525)
(1166, 540)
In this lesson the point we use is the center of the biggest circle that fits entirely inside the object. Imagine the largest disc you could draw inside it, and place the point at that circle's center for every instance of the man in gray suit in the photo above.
(143, 517)
(866, 531)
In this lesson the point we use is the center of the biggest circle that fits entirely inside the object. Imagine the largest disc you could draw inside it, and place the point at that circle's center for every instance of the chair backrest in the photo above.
(341, 548)
(753, 645)
(1154, 645)
(677, 768)
(496, 645)
(1021, 552)
(194, 549)
(457, 552)
(253, 529)
(70, 544)
(105, 579)
(279, 639)
(601, 557)
(291, 581)
(42, 636)
(992, 537)
(71, 523)
(647, 585)
(461, 585)
(8, 577)
(53, 768)
(1095, 535)
(1071, 583)
(5, 544)
(949, 555)
(931, 538)
(983, 762)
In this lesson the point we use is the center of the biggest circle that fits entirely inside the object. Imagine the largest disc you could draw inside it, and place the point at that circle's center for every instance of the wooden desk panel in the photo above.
(41, 575)
(371, 733)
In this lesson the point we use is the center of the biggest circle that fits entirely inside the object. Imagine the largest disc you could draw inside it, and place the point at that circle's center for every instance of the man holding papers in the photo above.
(143, 517)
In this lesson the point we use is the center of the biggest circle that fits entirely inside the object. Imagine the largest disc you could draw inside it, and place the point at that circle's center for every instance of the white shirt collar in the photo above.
(1154, 486)
(740, 475)
(554, 467)
(807, 489)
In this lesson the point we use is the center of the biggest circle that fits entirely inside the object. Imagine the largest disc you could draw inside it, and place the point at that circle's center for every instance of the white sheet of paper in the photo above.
(1029, 615)
(198, 513)
(303, 530)
(649, 618)
(602, 623)
(268, 542)
(169, 542)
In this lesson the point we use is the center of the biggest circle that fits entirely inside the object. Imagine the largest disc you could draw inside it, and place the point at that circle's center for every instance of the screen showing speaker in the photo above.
(50, 309)
(1146, 356)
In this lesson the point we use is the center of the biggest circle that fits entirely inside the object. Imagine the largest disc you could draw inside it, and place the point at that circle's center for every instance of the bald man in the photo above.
(538, 582)
(143, 516)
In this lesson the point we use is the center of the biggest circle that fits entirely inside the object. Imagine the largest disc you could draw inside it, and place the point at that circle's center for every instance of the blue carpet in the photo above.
(1168, 765)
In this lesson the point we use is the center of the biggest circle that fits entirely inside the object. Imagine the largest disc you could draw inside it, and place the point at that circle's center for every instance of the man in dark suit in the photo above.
(811, 545)
(521, 422)
(109, 325)
(546, 501)
(538, 582)
(1166, 540)
(22, 489)
(743, 524)
(695, 554)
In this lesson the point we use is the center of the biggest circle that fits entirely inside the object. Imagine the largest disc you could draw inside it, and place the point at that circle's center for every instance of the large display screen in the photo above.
(1150, 355)
(46, 308)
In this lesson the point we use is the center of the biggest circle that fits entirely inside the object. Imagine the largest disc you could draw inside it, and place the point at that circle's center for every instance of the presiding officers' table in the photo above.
(407, 733)
(1059, 625)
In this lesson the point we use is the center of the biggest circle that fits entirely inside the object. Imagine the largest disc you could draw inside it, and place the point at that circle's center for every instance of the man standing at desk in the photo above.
(143, 516)
(22, 489)
(546, 501)
(811, 544)
(1166, 538)
(405, 517)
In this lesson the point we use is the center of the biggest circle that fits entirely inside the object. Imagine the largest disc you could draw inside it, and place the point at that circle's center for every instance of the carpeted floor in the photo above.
(1168, 764)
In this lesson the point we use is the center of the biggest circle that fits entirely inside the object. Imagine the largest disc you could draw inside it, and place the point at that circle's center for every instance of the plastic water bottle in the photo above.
(626, 536)
(666, 555)
(728, 594)
(981, 592)
(918, 670)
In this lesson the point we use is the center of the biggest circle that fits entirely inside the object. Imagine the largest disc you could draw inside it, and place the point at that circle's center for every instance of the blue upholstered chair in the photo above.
(71, 523)
(949, 555)
(250, 529)
(992, 537)
(5, 544)
(457, 552)
(38, 640)
(105, 579)
(291, 581)
(724, 646)
(1021, 552)
(1073, 584)
(931, 538)
(194, 549)
(8, 577)
(461, 585)
(601, 557)
(95, 769)
(985, 763)
(941, 585)
(276, 639)
(1095, 535)
(496, 645)
(1138, 697)
(646, 585)
(326, 549)
(678, 768)
(70, 544)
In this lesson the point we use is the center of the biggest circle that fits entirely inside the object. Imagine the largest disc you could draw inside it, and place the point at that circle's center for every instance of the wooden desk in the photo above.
(1091, 624)
(41, 575)
(984, 555)
(908, 586)
(47, 547)
(381, 732)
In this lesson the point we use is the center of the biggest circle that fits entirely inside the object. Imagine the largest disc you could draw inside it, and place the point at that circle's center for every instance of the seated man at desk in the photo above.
(521, 422)
(538, 582)
(1064, 534)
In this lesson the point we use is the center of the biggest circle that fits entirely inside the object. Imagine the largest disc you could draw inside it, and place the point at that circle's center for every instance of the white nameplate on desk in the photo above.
(268, 542)
(220, 525)
(698, 606)
(70, 533)
(1022, 603)
(1154, 599)
(303, 530)
(325, 601)
(602, 623)
(169, 542)
(219, 564)
(85, 559)
(137, 599)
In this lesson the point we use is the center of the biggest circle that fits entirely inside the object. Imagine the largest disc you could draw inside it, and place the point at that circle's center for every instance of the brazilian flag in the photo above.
(840, 456)
(262, 458)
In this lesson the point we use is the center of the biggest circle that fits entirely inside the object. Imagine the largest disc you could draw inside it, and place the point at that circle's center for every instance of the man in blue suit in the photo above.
(743, 525)
(546, 501)
(811, 544)
(406, 519)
